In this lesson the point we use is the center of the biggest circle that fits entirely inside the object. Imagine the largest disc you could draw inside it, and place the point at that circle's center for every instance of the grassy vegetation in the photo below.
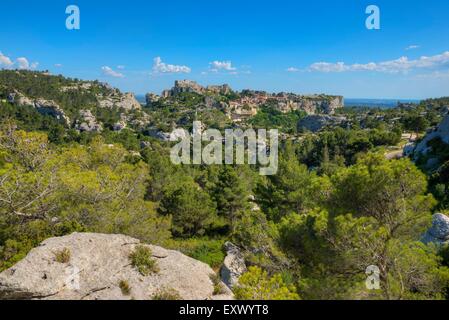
(141, 259)
(63, 256)
(218, 285)
(125, 287)
(209, 251)
(168, 294)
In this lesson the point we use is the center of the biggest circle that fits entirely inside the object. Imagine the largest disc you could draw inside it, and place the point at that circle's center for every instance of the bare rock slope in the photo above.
(234, 265)
(441, 132)
(99, 268)
(439, 232)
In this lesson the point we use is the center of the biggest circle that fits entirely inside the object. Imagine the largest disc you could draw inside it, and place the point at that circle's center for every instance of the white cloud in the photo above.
(161, 67)
(107, 71)
(121, 67)
(216, 66)
(24, 64)
(293, 69)
(58, 65)
(328, 67)
(21, 63)
(412, 47)
(403, 64)
(5, 61)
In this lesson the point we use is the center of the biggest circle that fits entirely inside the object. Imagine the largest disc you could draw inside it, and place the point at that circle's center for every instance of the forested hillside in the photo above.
(336, 206)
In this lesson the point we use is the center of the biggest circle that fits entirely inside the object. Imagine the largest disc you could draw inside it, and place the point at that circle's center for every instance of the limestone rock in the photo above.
(119, 126)
(88, 122)
(46, 107)
(49, 107)
(98, 263)
(442, 132)
(223, 89)
(183, 86)
(439, 232)
(319, 105)
(117, 99)
(315, 123)
(234, 265)
(129, 102)
(151, 98)
(162, 136)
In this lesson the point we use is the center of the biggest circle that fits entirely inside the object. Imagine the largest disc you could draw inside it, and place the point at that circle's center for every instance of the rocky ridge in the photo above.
(441, 132)
(315, 123)
(47, 107)
(247, 102)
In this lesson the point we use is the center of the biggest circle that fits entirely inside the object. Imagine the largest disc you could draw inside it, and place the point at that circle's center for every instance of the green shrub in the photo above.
(169, 294)
(218, 285)
(141, 259)
(124, 286)
(12, 251)
(63, 256)
(256, 284)
(202, 249)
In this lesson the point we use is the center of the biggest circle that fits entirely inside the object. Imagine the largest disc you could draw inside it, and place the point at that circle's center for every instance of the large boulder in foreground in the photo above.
(98, 267)
(439, 232)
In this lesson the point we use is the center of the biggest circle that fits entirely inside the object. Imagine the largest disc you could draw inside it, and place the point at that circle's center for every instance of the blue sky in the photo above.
(299, 46)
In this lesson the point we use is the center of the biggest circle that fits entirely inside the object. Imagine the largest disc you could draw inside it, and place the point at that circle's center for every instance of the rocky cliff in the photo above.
(440, 132)
(68, 99)
(126, 101)
(439, 232)
(310, 104)
(183, 86)
(315, 123)
(47, 107)
(87, 266)
(88, 122)
(245, 104)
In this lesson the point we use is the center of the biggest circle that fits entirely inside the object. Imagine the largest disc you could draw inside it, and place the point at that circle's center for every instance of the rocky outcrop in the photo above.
(49, 107)
(316, 123)
(88, 122)
(174, 136)
(129, 102)
(234, 265)
(45, 107)
(310, 104)
(151, 99)
(119, 126)
(126, 101)
(441, 132)
(223, 89)
(439, 232)
(189, 86)
(97, 267)
(159, 135)
(183, 86)
(19, 99)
